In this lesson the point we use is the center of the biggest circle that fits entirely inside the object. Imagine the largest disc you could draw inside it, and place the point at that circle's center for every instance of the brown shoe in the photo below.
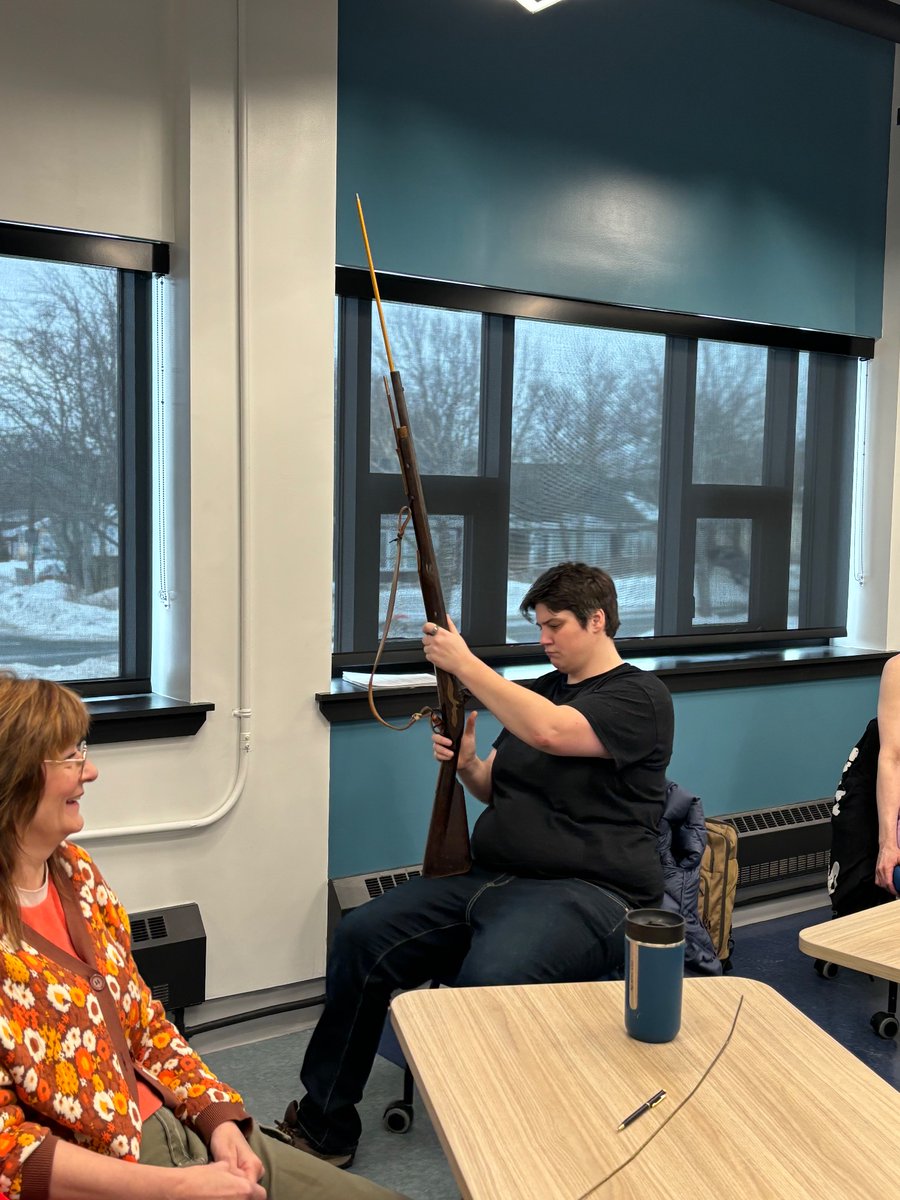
(301, 1142)
(336, 1160)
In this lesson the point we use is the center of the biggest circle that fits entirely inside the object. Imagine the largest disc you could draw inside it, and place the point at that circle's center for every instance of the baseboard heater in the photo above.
(169, 947)
(349, 891)
(780, 851)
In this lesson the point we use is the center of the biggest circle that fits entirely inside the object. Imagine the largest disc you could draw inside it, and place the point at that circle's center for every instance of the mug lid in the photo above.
(655, 925)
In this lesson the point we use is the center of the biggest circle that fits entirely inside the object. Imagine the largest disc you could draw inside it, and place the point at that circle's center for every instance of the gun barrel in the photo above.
(447, 850)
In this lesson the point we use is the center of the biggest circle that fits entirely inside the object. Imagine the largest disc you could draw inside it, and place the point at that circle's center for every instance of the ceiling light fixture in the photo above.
(534, 6)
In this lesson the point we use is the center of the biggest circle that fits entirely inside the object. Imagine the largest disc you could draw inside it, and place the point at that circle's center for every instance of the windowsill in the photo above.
(140, 718)
(679, 672)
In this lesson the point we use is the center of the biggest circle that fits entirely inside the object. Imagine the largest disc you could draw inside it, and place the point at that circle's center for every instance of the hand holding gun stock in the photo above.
(447, 848)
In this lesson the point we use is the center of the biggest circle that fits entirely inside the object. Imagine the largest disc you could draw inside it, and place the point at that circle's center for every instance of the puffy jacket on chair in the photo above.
(682, 840)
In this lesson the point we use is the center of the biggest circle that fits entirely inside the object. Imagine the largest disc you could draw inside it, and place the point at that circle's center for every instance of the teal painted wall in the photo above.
(737, 748)
(723, 158)
(759, 746)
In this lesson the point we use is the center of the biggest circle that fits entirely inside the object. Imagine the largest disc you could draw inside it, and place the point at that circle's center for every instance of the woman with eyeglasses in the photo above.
(100, 1096)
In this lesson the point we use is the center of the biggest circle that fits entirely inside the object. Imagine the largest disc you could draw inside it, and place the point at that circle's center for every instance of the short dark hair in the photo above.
(580, 589)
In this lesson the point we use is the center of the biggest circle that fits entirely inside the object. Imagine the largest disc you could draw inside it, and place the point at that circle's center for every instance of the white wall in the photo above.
(126, 117)
(874, 603)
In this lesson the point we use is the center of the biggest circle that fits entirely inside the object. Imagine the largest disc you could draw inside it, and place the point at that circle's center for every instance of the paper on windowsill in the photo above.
(360, 679)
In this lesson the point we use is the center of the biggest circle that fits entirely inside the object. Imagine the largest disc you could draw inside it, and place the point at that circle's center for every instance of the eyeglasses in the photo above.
(77, 759)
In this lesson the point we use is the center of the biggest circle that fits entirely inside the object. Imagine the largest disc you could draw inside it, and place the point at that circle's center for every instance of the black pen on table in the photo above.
(645, 1107)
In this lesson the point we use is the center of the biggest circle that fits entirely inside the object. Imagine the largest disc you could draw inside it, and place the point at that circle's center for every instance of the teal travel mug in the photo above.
(654, 973)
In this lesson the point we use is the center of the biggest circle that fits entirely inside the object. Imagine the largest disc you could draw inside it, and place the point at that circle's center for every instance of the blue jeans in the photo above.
(484, 928)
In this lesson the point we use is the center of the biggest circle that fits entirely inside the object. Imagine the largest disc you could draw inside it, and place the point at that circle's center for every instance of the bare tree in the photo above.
(593, 398)
(438, 355)
(59, 410)
(730, 413)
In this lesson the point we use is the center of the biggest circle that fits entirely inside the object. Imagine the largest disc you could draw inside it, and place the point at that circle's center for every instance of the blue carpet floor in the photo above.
(413, 1164)
(841, 1006)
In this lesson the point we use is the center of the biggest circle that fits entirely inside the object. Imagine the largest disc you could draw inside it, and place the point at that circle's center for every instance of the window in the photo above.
(707, 465)
(585, 460)
(75, 382)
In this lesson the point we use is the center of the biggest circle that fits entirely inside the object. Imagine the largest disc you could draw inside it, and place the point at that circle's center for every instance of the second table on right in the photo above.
(869, 942)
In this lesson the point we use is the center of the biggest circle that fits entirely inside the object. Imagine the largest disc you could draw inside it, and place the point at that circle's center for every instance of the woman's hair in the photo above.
(581, 589)
(38, 719)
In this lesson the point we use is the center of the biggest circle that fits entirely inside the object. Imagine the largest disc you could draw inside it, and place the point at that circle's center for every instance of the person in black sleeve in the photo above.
(573, 790)
(887, 788)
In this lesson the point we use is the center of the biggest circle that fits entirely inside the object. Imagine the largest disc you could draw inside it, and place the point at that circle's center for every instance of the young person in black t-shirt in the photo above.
(575, 782)
(573, 789)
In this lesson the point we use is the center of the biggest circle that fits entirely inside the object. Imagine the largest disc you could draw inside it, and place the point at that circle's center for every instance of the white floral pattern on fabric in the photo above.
(71, 1042)
(18, 993)
(58, 995)
(103, 1104)
(68, 1108)
(34, 1044)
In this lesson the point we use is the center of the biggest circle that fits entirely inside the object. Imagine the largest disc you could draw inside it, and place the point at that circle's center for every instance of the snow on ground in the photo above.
(43, 610)
(88, 668)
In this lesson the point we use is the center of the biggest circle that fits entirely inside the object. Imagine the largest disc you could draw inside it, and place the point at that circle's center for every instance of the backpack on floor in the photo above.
(718, 884)
(854, 831)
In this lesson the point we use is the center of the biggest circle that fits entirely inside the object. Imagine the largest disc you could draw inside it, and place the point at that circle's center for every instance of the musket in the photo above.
(447, 847)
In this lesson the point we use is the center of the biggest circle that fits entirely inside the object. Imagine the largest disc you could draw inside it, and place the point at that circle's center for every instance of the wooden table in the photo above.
(526, 1086)
(867, 941)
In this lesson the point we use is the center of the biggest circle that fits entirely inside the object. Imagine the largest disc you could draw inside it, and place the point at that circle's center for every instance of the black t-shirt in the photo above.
(592, 818)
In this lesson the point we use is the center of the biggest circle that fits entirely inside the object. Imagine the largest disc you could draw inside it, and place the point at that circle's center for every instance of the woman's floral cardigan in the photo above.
(74, 1035)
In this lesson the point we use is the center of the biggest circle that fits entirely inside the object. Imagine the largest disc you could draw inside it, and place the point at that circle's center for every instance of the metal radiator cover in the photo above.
(781, 850)
(349, 891)
(169, 947)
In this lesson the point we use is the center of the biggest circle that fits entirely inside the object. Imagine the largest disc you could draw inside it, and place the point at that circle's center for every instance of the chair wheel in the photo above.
(827, 970)
(885, 1024)
(398, 1117)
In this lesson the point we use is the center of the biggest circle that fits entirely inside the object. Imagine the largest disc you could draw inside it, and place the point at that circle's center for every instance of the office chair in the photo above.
(399, 1114)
